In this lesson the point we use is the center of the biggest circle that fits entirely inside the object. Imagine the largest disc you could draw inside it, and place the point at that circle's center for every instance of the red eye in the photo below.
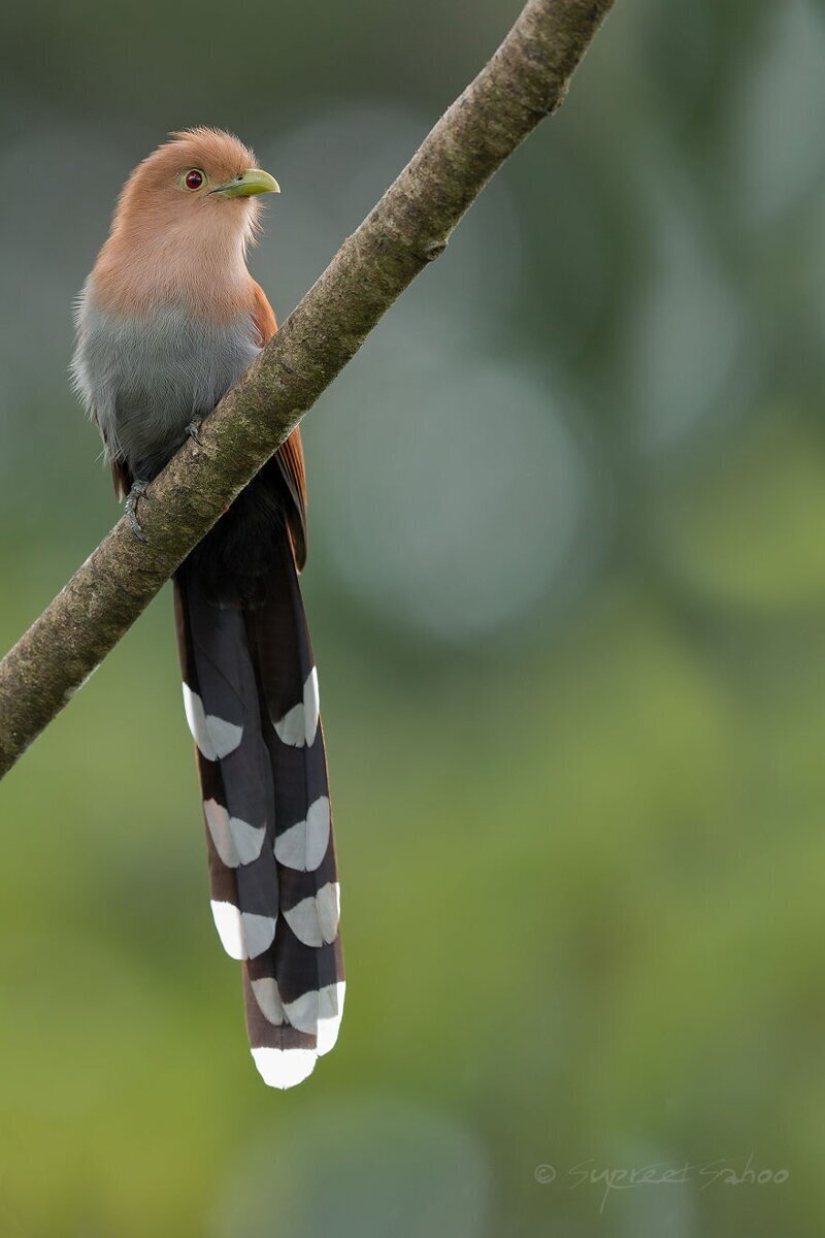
(194, 179)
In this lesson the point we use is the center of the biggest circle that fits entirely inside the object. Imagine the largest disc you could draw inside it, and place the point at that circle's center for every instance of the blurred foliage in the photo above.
(567, 590)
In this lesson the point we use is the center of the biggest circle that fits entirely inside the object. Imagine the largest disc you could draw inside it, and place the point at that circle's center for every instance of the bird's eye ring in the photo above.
(194, 178)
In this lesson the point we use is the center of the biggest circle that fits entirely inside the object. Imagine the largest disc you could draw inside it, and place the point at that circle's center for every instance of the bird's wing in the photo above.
(121, 477)
(290, 455)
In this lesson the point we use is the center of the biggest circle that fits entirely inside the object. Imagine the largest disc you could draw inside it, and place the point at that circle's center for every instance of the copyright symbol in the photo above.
(544, 1174)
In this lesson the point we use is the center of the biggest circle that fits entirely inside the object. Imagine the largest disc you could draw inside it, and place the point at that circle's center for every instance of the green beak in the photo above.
(253, 180)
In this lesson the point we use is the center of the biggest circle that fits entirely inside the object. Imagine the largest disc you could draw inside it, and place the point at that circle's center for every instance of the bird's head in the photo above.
(203, 181)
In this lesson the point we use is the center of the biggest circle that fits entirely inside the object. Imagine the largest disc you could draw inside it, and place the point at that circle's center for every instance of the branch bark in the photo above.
(525, 81)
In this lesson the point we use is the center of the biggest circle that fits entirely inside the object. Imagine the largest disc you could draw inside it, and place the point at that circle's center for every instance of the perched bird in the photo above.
(167, 322)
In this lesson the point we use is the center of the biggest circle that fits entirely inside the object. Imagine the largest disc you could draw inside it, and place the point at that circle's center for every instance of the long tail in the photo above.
(251, 696)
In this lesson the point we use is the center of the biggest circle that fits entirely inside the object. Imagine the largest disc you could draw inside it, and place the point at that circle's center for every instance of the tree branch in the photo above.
(525, 81)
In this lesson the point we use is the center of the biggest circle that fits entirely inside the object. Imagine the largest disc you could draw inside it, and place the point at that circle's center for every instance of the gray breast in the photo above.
(144, 380)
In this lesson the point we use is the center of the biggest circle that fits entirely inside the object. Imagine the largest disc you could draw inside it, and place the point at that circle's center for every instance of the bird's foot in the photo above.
(193, 430)
(137, 492)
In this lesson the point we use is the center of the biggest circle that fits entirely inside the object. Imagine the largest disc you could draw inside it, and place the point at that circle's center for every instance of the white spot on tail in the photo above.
(236, 842)
(330, 1014)
(215, 737)
(314, 921)
(291, 728)
(269, 1000)
(303, 846)
(283, 1068)
(300, 724)
(319, 1013)
(243, 934)
(312, 706)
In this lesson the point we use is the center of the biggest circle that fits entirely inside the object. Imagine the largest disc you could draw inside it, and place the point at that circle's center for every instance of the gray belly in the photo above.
(145, 380)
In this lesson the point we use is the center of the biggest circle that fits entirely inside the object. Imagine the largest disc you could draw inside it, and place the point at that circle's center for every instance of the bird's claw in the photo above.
(137, 492)
(193, 430)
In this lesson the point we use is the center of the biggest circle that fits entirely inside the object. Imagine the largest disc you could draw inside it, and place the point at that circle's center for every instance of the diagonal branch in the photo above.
(525, 81)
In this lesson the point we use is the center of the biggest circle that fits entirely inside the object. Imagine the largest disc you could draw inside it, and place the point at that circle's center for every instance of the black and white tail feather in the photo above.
(251, 696)
(163, 332)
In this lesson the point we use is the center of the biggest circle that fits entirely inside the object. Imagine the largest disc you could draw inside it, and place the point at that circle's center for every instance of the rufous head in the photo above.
(182, 225)
(202, 179)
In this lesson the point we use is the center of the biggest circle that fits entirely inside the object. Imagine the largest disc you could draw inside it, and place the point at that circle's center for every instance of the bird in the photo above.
(167, 322)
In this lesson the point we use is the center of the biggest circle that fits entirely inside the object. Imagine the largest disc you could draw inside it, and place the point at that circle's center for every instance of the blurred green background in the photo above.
(567, 591)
